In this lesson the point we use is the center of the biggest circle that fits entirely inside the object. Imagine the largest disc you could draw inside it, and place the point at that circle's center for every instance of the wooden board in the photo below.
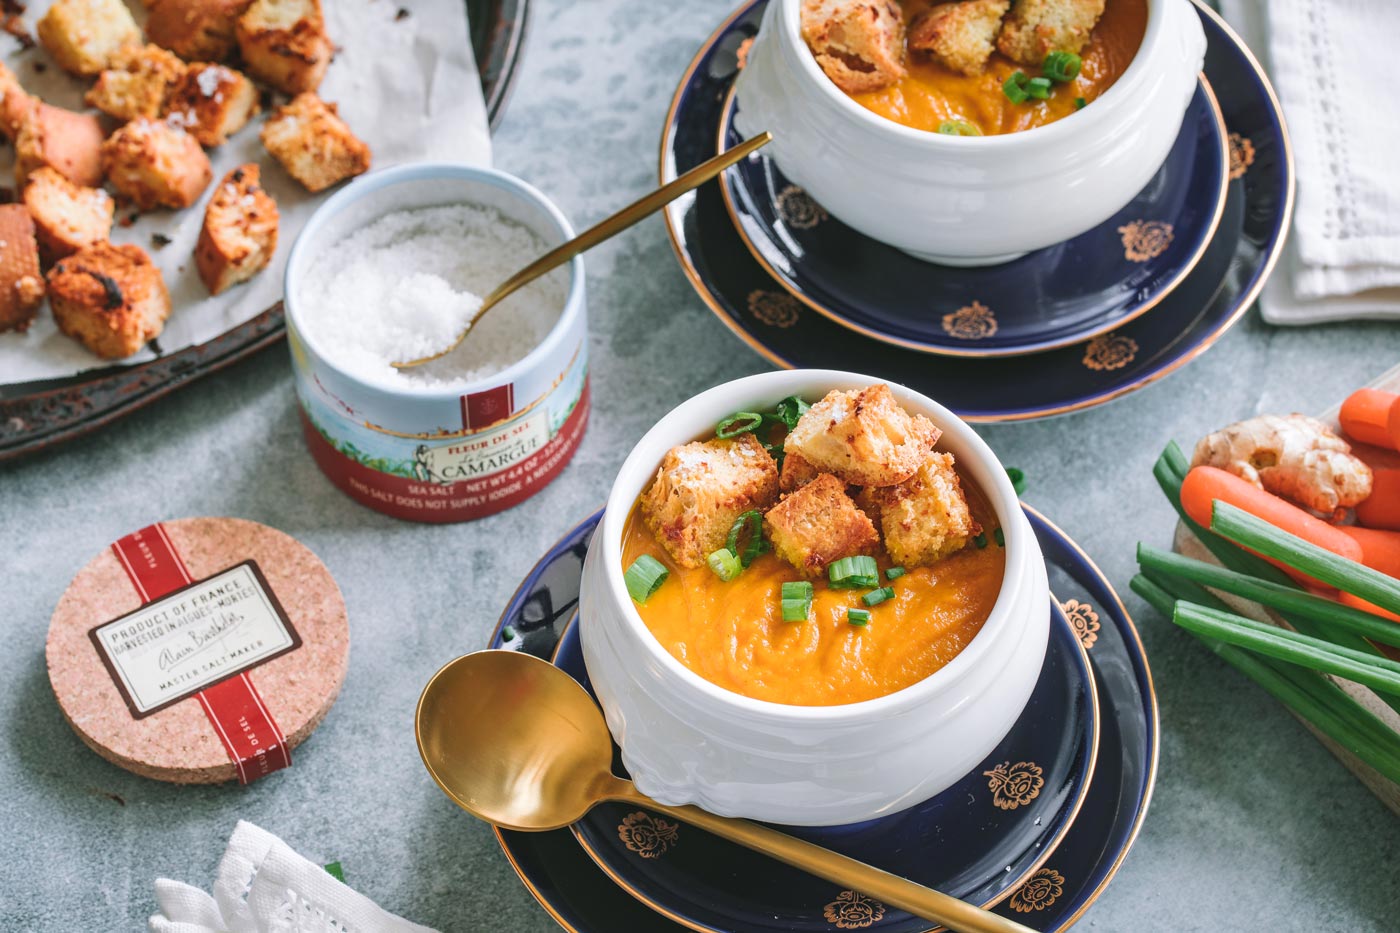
(1387, 791)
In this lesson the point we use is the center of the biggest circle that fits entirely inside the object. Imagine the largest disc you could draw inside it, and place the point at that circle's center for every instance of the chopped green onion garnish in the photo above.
(507, 633)
(858, 616)
(1014, 88)
(796, 610)
(876, 597)
(800, 589)
(894, 573)
(980, 540)
(1000, 538)
(1018, 479)
(644, 577)
(1061, 66)
(1039, 88)
(849, 573)
(1080, 103)
(755, 546)
(958, 128)
(725, 564)
(741, 422)
(790, 410)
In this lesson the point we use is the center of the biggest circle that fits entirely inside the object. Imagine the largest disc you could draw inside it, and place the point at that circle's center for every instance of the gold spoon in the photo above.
(515, 741)
(601, 231)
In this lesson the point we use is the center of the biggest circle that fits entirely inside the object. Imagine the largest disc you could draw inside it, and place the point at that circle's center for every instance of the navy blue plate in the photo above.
(579, 896)
(753, 305)
(1053, 297)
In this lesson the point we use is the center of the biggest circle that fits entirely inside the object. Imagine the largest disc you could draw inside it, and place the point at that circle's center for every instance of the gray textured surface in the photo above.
(1253, 826)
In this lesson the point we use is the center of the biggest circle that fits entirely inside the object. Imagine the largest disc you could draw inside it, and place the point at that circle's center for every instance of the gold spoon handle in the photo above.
(838, 869)
(604, 229)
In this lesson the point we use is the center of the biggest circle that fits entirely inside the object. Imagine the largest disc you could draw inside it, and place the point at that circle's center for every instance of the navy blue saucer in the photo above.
(579, 895)
(1063, 294)
(1217, 292)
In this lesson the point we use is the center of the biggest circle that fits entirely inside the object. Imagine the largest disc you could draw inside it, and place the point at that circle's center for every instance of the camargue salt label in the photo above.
(198, 635)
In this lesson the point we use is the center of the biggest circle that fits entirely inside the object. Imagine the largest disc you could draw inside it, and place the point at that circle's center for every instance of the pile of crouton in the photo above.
(165, 99)
(861, 44)
(858, 470)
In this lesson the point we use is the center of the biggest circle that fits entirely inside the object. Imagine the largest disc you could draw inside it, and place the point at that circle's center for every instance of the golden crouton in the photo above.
(795, 472)
(313, 144)
(111, 299)
(21, 285)
(195, 30)
(212, 103)
(240, 231)
(15, 104)
(67, 217)
(701, 488)
(863, 437)
(819, 524)
(154, 164)
(960, 36)
(84, 35)
(69, 142)
(137, 84)
(858, 43)
(925, 518)
(284, 43)
(1036, 28)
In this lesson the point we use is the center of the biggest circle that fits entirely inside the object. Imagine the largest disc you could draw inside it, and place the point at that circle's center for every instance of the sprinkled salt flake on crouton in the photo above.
(863, 437)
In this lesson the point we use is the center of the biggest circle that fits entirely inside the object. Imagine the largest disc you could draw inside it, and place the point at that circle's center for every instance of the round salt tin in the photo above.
(434, 453)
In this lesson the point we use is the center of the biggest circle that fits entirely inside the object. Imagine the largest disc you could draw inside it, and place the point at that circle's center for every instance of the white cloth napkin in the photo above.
(1331, 65)
(265, 887)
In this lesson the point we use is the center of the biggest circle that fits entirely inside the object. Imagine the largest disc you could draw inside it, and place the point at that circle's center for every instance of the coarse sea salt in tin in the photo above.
(392, 268)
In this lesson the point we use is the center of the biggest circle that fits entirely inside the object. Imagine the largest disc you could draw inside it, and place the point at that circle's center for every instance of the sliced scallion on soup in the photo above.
(1061, 66)
(858, 616)
(644, 577)
(958, 128)
(725, 564)
(741, 422)
(1039, 88)
(848, 573)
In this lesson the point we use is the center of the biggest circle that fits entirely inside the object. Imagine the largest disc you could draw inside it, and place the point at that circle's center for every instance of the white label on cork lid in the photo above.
(198, 635)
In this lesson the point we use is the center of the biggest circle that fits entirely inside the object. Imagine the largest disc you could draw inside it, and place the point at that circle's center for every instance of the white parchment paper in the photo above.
(407, 85)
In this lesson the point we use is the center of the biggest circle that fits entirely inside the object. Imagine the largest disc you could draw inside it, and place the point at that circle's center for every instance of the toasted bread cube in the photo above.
(240, 231)
(284, 43)
(926, 518)
(796, 472)
(819, 524)
(195, 30)
(66, 141)
(111, 299)
(154, 164)
(15, 103)
(960, 36)
(21, 285)
(212, 103)
(138, 84)
(863, 437)
(67, 217)
(858, 43)
(313, 144)
(83, 36)
(701, 488)
(1036, 28)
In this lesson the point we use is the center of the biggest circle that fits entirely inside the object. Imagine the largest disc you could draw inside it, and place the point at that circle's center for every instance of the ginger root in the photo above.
(1293, 456)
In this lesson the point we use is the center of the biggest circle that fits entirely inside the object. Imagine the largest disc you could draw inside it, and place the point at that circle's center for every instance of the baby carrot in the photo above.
(1372, 417)
(1204, 484)
(1381, 509)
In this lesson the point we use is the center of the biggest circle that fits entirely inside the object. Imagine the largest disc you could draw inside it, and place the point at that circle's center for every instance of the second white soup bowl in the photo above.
(686, 740)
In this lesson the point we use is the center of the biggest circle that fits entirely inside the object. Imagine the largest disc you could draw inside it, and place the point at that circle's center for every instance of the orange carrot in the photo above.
(1381, 509)
(1372, 417)
(1356, 602)
(1204, 484)
(1380, 550)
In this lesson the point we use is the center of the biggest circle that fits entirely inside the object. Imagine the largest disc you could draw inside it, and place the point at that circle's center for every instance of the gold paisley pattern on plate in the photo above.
(1015, 785)
(1241, 155)
(773, 308)
(1145, 239)
(798, 210)
(973, 322)
(649, 836)
(1109, 351)
(1084, 620)
(852, 911)
(1041, 891)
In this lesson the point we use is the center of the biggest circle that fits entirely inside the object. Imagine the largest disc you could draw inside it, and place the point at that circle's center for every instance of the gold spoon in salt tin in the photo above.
(517, 742)
(599, 232)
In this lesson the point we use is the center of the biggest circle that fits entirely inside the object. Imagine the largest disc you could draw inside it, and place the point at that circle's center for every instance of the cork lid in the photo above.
(164, 633)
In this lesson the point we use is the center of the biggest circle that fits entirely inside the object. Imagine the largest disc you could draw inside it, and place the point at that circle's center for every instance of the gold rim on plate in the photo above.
(792, 288)
(1244, 302)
